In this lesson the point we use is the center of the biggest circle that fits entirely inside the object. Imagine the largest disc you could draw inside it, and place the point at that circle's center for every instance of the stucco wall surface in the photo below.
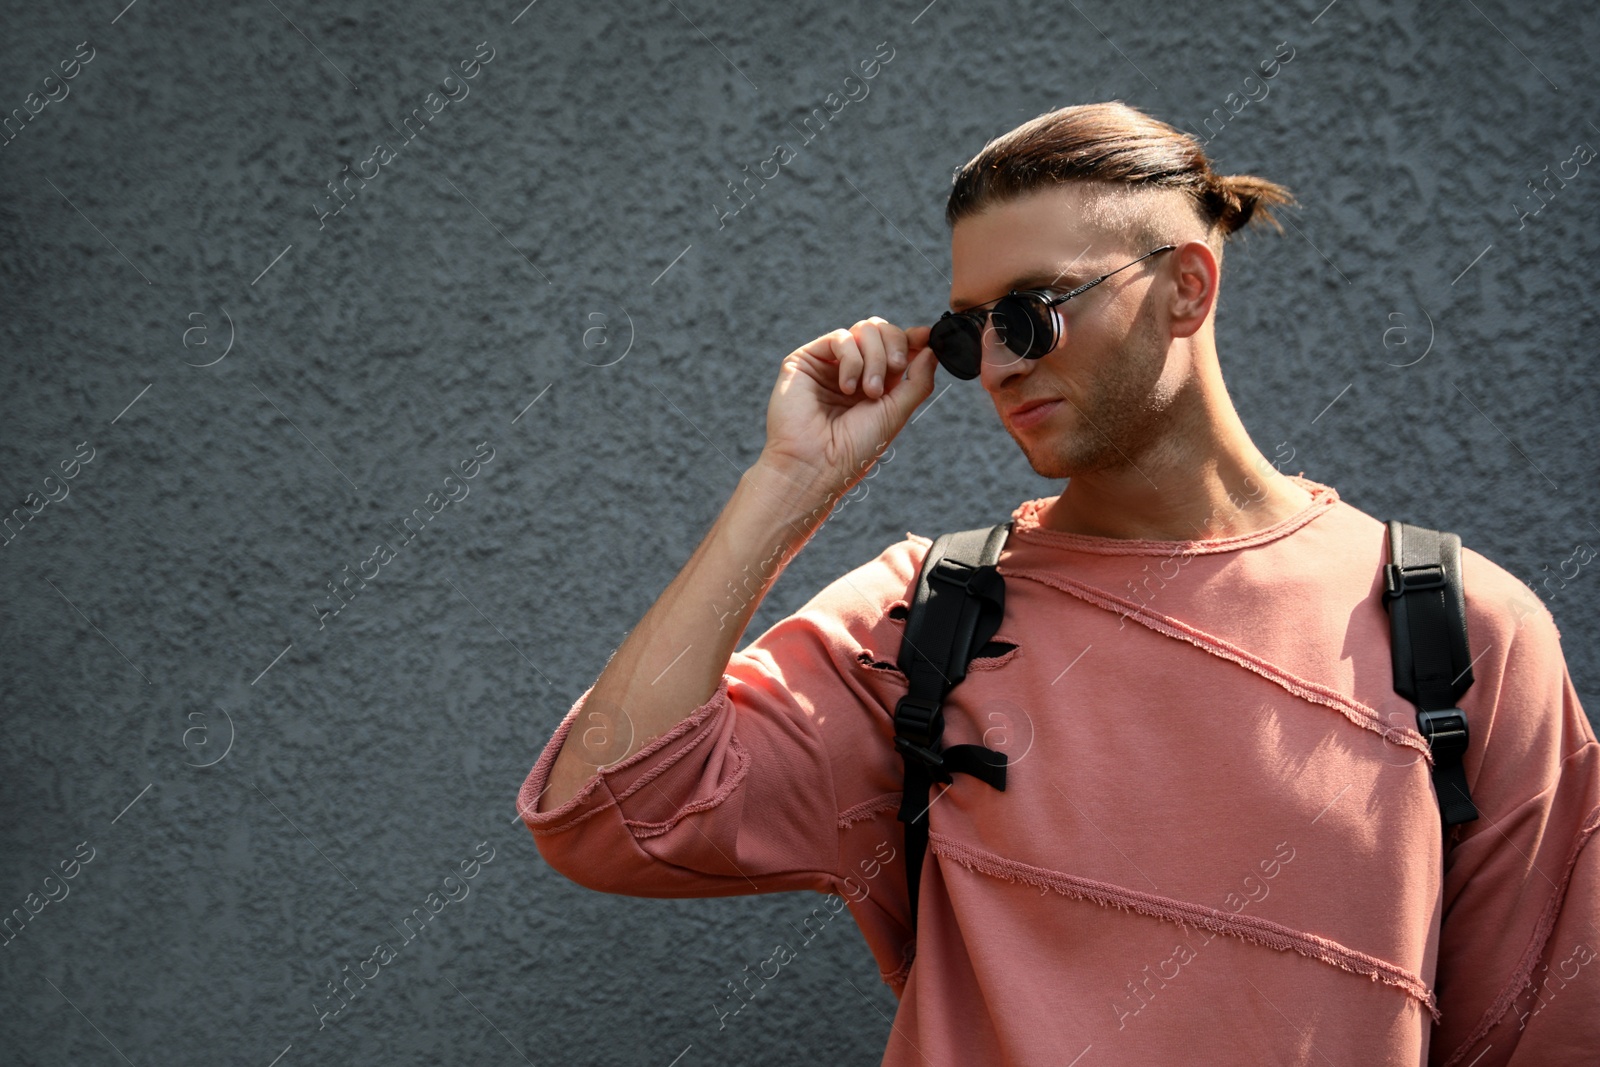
(551, 282)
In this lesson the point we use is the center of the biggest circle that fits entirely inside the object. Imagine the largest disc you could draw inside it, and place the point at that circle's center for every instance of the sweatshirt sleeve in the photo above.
(745, 794)
(1518, 981)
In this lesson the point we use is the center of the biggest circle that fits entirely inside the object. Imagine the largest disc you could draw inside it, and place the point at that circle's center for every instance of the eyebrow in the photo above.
(1038, 279)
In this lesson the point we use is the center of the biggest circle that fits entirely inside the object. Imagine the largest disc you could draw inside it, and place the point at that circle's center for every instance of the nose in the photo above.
(1002, 367)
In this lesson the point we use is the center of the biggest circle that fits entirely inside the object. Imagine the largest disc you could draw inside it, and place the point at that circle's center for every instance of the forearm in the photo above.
(673, 660)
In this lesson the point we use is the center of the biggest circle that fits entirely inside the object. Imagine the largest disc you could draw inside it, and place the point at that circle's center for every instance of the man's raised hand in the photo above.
(840, 400)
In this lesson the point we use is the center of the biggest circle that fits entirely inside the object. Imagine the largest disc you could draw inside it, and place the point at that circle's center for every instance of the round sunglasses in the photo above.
(1024, 321)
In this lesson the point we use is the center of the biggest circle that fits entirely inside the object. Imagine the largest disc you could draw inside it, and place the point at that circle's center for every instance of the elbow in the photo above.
(561, 832)
(582, 867)
(563, 861)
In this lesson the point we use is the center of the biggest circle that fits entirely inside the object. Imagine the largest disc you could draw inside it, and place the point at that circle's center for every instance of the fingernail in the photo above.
(874, 382)
(849, 384)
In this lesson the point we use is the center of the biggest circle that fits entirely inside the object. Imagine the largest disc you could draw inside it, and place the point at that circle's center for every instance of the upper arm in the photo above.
(746, 793)
(1521, 899)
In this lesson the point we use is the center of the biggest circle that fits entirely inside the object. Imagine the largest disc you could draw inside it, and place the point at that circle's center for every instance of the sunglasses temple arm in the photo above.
(1096, 281)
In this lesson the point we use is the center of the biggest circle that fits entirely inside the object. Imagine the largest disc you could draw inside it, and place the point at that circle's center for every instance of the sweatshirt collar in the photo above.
(1026, 525)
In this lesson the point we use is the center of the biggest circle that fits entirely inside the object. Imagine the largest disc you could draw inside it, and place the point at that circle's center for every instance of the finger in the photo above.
(820, 349)
(916, 343)
(869, 336)
(850, 359)
(901, 354)
(896, 351)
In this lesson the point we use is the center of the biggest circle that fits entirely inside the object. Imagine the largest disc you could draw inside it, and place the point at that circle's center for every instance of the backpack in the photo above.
(960, 597)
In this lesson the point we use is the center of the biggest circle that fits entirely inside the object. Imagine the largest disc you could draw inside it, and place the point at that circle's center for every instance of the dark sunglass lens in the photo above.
(1022, 325)
(955, 341)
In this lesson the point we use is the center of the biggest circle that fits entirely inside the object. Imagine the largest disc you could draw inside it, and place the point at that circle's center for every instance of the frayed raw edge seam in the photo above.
(661, 768)
(1027, 525)
(1523, 978)
(570, 814)
(994, 663)
(640, 829)
(561, 824)
(868, 808)
(1355, 711)
(556, 820)
(865, 657)
(1260, 931)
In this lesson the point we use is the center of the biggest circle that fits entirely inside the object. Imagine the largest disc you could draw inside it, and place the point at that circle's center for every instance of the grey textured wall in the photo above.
(542, 277)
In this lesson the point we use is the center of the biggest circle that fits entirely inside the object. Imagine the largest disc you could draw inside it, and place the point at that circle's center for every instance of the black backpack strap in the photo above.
(955, 610)
(1432, 662)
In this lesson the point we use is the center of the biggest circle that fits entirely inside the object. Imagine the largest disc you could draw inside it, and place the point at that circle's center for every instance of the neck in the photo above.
(1203, 480)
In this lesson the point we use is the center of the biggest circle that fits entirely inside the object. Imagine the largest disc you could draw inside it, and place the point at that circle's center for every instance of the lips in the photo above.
(1027, 405)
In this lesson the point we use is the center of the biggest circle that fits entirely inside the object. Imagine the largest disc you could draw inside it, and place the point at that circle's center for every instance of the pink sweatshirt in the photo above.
(1218, 844)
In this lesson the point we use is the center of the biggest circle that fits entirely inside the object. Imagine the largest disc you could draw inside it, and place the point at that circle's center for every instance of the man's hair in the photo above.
(1123, 152)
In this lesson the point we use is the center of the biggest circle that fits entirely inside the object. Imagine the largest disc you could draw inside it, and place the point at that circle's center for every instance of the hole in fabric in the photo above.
(994, 649)
(899, 611)
(866, 660)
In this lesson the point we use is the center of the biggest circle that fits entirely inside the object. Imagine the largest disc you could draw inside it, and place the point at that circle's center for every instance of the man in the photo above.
(1219, 841)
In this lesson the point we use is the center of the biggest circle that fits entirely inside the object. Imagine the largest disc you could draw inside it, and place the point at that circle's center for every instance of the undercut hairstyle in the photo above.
(1122, 154)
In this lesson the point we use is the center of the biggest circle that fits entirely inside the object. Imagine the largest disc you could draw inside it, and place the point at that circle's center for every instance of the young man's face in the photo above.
(1109, 381)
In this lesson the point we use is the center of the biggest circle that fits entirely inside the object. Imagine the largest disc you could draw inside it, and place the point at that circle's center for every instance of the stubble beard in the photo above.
(1122, 417)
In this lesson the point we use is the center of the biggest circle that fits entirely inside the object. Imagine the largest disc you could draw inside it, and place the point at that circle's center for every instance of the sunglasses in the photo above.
(1024, 321)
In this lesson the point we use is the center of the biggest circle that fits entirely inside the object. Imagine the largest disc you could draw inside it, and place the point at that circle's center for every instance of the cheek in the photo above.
(1093, 346)
(1124, 364)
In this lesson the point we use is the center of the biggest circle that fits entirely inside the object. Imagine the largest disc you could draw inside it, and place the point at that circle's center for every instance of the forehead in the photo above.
(1052, 233)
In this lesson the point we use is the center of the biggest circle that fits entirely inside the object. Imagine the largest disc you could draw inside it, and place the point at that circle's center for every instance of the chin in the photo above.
(1054, 470)
(1046, 462)
(1064, 456)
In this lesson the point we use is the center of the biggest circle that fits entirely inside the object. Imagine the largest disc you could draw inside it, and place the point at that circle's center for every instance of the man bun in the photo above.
(1114, 143)
(1234, 200)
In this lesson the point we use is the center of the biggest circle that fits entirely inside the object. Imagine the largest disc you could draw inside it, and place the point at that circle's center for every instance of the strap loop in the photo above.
(1397, 580)
(1422, 592)
(984, 764)
(957, 605)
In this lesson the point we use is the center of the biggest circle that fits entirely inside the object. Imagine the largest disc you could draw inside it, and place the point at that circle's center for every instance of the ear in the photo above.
(1196, 290)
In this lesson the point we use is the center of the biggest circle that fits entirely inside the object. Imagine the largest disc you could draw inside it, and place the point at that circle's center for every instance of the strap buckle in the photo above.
(954, 572)
(913, 721)
(1398, 581)
(1446, 732)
